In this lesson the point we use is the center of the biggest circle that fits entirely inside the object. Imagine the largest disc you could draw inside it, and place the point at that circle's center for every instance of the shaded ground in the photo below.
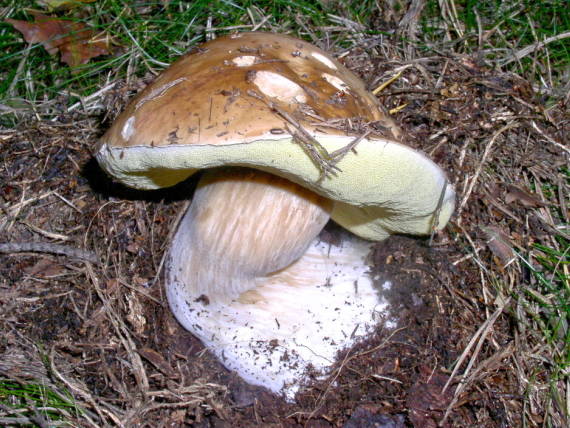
(103, 332)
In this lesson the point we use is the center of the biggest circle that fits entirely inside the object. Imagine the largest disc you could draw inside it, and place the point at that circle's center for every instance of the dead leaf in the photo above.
(135, 315)
(499, 243)
(133, 248)
(427, 401)
(111, 286)
(52, 5)
(44, 268)
(516, 194)
(176, 418)
(157, 361)
(450, 91)
(74, 40)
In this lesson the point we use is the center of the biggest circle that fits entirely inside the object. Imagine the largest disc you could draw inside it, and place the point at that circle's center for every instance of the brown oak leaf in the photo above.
(525, 198)
(74, 40)
(499, 243)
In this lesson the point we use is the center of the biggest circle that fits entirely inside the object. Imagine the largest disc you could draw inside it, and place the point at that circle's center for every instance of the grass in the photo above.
(510, 34)
(544, 314)
(143, 38)
(33, 404)
(146, 37)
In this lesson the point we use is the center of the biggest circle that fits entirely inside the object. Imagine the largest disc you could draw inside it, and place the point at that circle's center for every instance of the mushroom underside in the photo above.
(381, 188)
(248, 276)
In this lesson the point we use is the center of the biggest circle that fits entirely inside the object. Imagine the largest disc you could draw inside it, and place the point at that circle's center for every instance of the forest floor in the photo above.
(482, 306)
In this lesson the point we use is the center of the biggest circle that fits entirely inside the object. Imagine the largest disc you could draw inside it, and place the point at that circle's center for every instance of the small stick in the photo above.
(313, 153)
(45, 247)
(437, 211)
(387, 83)
(486, 152)
(339, 154)
(315, 149)
(550, 139)
(477, 340)
(517, 56)
(21, 418)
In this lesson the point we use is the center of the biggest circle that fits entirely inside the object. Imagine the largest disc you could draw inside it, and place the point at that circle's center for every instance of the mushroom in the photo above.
(289, 138)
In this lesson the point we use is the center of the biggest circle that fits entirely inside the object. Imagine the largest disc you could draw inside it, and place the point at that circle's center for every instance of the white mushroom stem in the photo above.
(243, 224)
(248, 277)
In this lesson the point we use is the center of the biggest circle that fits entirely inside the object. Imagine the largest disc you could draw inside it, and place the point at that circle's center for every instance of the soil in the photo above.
(104, 332)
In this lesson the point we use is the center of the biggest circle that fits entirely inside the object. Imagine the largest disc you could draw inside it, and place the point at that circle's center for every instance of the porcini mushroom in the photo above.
(291, 138)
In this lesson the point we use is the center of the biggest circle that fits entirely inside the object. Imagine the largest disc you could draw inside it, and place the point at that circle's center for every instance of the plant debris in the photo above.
(75, 41)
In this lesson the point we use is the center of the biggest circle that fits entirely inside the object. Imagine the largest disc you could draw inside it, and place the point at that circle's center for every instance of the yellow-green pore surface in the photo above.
(239, 99)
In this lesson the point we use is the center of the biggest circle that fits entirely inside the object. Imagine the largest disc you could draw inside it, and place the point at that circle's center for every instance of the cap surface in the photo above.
(245, 99)
(203, 97)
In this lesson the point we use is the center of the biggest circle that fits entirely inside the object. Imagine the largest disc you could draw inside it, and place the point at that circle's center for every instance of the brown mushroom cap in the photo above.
(205, 96)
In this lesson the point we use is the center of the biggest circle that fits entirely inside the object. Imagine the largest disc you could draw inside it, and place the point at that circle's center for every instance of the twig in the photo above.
(46, 233)
(314, 149)
(88, 98)
(313, 152)
(228, 28)
(337, 155)
(38, 418)
(344, 363)
(481, 164)
(435, 222)
(22, 419)
(15, 421)
(261, 24)
(534, 47)
(387, 83)
(45, 247)
(122, 332)
(549, 139)
(158, 92)
(478, 339)
(79, 390)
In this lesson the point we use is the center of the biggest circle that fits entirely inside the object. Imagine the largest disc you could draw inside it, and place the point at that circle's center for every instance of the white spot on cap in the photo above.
(244, 61)
(128, 128)
(337, 82)
(323, 59)
(276, 86)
